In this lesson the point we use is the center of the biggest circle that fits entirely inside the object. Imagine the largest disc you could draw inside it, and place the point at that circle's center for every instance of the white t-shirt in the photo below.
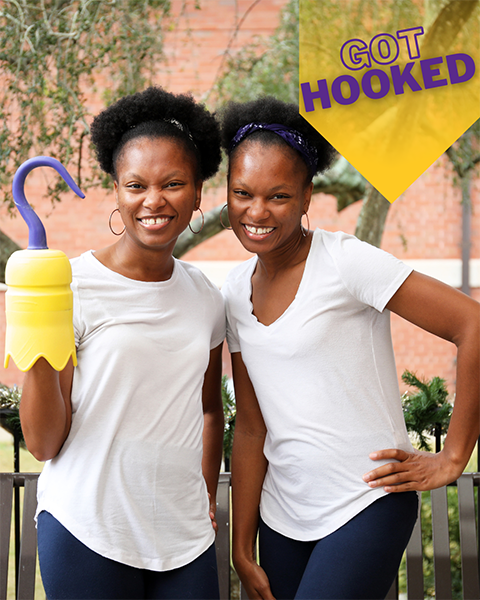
(128, 481)
(325, 378)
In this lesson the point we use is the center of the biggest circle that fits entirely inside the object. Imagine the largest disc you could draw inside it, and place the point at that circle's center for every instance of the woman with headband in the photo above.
(322, 463)
(133, 435)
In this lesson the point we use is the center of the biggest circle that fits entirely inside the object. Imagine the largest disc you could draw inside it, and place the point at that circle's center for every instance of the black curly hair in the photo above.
(157, 113)
(268, 109)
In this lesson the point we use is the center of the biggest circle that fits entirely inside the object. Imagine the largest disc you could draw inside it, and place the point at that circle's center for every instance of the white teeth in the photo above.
(156, 221)
(259, 230)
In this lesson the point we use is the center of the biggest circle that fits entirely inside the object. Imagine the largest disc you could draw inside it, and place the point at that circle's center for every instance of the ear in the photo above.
(198, 194)
(115, 188)
(307, 197)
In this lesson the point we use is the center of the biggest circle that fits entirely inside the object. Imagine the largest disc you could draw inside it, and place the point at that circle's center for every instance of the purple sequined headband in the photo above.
(293, 138)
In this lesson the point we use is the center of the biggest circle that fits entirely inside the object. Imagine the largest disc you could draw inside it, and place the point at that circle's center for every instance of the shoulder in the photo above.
(194, 274)
(86, 261)
(83, 265)
(337, 242)
(198, 279)
(239, 275)
(369, 274)
(346, 249)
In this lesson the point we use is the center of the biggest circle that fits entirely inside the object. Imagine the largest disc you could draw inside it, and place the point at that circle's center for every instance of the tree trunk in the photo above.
(442, 32)
(7, 247)
(466, 232)
(188, 240)
(372, 217)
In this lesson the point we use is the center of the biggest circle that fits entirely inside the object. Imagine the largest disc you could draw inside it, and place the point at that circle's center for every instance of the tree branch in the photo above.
(188, 240)
(226, 52)
(342, 181)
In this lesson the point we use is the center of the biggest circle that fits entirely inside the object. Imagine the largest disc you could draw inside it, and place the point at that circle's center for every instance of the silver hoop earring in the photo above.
(203, 223)
(221, 219)
(110, 223)
(302, 228)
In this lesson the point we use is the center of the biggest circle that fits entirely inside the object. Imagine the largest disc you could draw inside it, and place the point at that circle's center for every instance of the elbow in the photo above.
(43, 447)
(43, 440)
(215, 417)
(42, 452)
(41, 457)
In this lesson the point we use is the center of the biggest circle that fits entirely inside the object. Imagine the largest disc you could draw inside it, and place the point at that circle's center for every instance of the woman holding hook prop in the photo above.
(132, 436)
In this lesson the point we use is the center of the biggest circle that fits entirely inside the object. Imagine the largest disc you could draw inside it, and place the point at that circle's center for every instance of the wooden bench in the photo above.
(468, 515)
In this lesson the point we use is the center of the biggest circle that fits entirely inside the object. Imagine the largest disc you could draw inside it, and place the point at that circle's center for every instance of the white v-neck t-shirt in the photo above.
(128, 481)
(325, 379)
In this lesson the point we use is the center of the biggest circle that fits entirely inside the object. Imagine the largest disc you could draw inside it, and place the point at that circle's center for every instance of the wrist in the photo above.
(243, 556)
(454, 464)
(454, 458)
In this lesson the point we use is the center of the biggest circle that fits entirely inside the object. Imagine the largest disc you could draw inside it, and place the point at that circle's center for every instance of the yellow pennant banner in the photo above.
(391, 85)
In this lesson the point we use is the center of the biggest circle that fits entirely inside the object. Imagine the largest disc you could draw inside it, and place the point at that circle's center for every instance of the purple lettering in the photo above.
(384, 48)
(367, 84)
(468, 62)
(410, 36)
(309, 96)
(354, 54)
(429, 73)
(337, 89)
(400, 78)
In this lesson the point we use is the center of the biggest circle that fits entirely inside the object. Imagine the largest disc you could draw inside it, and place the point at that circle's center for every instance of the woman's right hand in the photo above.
(254, 580)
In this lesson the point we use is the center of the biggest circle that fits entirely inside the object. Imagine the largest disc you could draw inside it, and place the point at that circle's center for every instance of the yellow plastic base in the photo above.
(39, 309)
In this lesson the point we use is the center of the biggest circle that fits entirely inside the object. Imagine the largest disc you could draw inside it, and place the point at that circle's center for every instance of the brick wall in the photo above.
(425, 223)
(195, 44)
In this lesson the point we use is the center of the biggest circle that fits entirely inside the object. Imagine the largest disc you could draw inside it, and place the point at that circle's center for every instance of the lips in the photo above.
(258, 230)
(154, 220)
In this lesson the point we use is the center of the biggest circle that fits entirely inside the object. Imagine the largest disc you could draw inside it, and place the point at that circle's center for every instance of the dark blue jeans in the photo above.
(359, 560)
(72, 571)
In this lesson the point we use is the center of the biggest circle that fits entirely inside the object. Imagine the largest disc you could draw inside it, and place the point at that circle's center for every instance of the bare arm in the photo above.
(46, 408)
(213, 426)
(249, 466)
(455, 317)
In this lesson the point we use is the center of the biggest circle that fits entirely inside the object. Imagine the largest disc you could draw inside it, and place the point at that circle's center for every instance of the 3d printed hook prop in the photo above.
(37, 239)
(39, 300)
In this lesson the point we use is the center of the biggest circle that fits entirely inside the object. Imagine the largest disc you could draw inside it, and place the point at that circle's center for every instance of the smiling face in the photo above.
(267, 196)
(156, 190)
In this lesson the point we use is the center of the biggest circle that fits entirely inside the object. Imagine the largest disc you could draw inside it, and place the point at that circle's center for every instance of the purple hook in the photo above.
(37, 238)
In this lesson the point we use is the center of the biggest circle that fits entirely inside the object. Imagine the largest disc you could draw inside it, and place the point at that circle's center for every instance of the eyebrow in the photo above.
(176, 173)
(282, 186)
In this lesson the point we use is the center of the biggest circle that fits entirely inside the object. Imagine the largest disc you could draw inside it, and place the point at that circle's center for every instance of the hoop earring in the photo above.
(110, 223)
(302, 228)
(203, 223)
(221, 219)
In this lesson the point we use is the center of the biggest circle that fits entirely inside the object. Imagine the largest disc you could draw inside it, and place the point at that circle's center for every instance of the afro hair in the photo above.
(268, 109)
(156, 113)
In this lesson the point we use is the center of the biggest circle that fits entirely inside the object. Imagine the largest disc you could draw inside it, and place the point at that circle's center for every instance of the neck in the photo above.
(289, 256)
(141, 264)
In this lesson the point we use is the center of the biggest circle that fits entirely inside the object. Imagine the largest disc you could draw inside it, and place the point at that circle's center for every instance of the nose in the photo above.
(258, 210)
(155, 198)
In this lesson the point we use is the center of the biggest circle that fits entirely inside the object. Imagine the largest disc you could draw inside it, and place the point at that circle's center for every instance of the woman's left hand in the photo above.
(416, 470)
(211, 513)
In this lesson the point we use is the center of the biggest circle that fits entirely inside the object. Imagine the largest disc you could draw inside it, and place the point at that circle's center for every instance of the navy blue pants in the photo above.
(359, 560)
(72, 571)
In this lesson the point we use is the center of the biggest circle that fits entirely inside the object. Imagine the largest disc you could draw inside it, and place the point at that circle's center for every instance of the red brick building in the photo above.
(424, 226)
